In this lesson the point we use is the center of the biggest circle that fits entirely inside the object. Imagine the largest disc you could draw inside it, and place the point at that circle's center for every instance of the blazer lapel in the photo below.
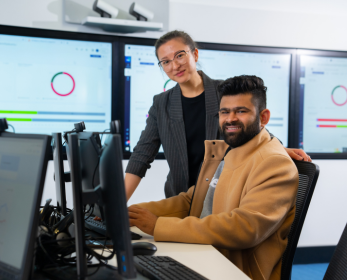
(178, 130)
(212, 107)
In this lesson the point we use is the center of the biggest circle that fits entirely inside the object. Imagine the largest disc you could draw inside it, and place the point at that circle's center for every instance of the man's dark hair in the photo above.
(176, 34)
(245, 84)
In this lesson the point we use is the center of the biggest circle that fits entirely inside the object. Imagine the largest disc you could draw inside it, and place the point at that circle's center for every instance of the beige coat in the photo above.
(253, 206)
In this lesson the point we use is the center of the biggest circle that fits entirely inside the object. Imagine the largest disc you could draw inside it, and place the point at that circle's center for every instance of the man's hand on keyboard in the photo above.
(142, 218)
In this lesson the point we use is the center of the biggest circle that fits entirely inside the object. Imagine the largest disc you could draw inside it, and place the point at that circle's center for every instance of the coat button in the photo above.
(213, 143)
(206, 179)
(212, 156)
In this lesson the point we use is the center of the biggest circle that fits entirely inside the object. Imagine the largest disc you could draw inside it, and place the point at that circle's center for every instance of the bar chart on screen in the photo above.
(323, 91)
(53, 83)
(144, 79)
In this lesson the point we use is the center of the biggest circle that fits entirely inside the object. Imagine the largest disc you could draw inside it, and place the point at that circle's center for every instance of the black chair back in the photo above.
(337, 269)
(308, 175)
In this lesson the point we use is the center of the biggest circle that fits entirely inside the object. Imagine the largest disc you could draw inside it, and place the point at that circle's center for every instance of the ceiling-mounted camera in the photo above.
(140, 12)
(104, 9)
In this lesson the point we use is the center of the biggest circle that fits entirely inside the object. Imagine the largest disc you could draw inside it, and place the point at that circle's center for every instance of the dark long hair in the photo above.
(176, 34)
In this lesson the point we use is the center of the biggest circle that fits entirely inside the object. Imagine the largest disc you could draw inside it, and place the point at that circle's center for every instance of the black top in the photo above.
(194, 116)
(165, 126)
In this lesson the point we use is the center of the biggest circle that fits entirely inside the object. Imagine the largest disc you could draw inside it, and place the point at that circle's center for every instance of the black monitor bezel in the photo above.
(210, 46)
(295, 121)
(120, 102)
(59, 178)
(77, 36)
(27, 262)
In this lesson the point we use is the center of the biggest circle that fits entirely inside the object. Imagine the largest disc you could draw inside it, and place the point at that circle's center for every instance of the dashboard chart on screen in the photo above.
(144, 79)
(48, 84)
(323, 104)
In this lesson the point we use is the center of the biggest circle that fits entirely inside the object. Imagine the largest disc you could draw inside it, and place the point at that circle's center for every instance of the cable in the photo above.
(65, 135)
(44, 250)
(91, 213)
(96, 168)
(97, 257)
(55, 241)
(12, 127)
(103, 134)
(86, 212)
(55, 207)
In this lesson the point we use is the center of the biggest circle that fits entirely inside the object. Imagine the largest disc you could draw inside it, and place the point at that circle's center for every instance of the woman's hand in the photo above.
(298, 154)
(142, 218)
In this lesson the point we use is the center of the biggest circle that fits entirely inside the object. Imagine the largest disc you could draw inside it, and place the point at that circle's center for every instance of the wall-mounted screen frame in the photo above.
(312, 68)
(267, 50)
(124, 97)
(67, 36)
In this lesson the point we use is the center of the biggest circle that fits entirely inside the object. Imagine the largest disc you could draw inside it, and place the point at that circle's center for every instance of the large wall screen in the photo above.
(322, 81)
(274, 69)
(48, 84)
(144, 79)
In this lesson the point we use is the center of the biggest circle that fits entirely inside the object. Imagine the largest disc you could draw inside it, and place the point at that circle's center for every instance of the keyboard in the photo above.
(99, 227)
(164, 268)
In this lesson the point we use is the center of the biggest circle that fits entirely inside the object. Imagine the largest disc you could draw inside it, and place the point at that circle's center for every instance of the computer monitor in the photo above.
(59, 177)
(89, 151)
(322, 103)
(23, 164)
(114, 201)
(50, 79)
(143, 79)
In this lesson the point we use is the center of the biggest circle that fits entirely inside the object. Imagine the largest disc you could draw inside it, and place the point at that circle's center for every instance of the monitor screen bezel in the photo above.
(76, 36)
(59, 178)
(296, 119)
(121, 97)
(208, 46)
(27, 262)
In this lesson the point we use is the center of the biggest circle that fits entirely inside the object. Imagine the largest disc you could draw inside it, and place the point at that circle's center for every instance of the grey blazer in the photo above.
(165, 126)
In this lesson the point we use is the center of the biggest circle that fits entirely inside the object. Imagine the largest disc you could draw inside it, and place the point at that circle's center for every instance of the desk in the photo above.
(204, 259)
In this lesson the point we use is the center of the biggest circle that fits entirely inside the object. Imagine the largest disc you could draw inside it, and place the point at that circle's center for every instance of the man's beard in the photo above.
(239, 138)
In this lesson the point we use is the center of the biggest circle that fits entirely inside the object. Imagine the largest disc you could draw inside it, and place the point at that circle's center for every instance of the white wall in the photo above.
(150, 189)
(317, 24)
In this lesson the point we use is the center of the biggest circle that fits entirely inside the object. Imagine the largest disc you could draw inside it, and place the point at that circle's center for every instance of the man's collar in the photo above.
(227, 151)
(235, 157)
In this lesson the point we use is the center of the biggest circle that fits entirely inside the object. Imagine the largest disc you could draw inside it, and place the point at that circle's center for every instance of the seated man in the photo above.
(247, 211)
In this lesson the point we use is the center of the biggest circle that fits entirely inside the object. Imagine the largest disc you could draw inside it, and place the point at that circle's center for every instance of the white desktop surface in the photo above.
(204, 259)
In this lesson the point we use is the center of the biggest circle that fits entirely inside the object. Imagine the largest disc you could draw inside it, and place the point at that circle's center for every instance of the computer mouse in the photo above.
(144, 248)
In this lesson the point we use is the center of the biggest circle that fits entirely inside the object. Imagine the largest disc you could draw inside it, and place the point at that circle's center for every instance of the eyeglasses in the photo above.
(180, 58)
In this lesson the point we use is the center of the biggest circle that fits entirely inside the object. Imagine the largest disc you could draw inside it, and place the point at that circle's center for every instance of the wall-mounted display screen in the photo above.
(323, 104)
(49, 84)
(144, 79)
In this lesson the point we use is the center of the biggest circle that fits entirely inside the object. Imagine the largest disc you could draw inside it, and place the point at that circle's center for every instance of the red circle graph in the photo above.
(332, 96)
(73, 84)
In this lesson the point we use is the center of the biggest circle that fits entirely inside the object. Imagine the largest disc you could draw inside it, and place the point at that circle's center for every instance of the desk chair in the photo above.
(337, 266)
(308, 175)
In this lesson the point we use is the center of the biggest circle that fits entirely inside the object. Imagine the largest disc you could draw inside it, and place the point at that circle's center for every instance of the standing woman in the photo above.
(180, 119)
